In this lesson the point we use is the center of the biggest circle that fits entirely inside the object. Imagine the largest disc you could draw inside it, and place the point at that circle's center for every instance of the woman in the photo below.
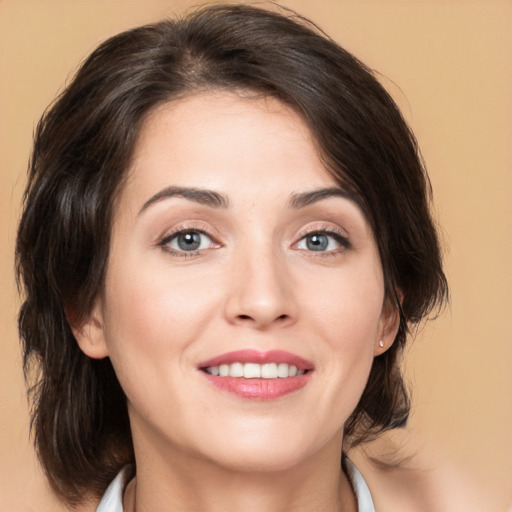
(225, 240)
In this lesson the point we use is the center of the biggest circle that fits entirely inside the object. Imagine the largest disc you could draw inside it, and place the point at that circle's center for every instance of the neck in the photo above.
(179, 482)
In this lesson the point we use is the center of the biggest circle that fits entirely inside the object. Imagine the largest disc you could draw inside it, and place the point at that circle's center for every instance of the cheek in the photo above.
(152, 322)
(153, 317)
(347, 305)
(347, 312)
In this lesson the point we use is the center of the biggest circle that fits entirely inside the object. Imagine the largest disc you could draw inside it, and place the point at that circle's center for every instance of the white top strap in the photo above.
(363, 494)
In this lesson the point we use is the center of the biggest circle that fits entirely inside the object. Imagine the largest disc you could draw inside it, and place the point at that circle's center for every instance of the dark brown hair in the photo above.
(82, 149)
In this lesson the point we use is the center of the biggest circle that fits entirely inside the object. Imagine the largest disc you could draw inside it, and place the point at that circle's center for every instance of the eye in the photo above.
(322, 242)
(188, 241)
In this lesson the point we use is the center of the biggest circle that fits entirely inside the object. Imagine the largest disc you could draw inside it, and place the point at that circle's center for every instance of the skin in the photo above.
(253, 284)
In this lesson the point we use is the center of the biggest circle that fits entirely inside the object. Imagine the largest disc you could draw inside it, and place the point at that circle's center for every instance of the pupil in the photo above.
(189, 241)
(317, 242)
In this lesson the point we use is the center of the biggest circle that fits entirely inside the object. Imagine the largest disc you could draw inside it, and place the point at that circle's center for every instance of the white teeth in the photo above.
(236, 370)
(251, 371)
(282, 370)
(269, 371)
(255, 371)
(213, 370)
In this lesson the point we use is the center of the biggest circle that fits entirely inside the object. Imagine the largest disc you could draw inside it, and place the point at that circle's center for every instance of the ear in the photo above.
(89, 332)
(388, 325)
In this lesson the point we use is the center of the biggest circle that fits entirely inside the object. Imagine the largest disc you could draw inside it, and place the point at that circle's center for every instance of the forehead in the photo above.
(220, 140)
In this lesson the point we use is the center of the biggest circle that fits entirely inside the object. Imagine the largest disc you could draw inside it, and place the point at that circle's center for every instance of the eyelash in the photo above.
(339, 238)
(168, 238)
(329, 231)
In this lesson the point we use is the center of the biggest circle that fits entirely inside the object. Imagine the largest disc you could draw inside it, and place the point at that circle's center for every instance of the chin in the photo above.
(266, 451)
(261, 461)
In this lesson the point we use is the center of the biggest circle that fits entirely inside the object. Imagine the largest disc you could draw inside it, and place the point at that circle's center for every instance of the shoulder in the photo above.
(406, 470)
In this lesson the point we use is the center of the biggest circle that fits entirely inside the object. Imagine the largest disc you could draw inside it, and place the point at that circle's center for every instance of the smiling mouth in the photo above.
(255, 370)
(256, 375)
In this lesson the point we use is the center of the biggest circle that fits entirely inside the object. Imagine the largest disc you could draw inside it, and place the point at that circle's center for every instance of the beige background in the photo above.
(448, 64)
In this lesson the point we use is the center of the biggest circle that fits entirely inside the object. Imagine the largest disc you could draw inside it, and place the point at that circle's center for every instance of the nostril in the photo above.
(249, 317)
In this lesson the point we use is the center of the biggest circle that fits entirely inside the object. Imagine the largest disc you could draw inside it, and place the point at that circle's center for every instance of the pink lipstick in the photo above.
(257, 375)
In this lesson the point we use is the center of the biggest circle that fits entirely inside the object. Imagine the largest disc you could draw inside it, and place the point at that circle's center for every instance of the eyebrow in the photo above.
(303, 199)
(198, 195)
(214, 199)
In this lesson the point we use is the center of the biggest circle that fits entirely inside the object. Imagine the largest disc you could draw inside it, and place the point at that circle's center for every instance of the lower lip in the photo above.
(259, 389)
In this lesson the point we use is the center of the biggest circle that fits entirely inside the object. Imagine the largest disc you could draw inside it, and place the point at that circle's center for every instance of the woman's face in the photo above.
(234, 251)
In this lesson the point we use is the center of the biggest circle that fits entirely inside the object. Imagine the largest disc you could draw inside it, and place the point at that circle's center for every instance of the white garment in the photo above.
(363, 494)
(112, 500)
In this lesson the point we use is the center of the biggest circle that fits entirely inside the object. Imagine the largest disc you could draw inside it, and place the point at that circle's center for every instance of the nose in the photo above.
(261, 292)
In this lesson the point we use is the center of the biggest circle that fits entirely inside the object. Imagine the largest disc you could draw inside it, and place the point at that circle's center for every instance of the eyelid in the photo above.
(164, 241)
(172, 234)
(338, 234)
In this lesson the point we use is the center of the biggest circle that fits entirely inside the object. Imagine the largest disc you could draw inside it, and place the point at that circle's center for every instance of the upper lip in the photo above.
(255, 356)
